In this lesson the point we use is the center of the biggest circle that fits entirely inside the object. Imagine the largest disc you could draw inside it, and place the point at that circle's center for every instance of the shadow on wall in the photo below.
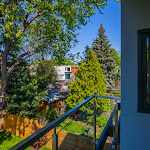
(22, 127)
(19, 126)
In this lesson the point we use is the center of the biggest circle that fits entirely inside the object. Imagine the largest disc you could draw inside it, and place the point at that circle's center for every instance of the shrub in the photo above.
(90, 120)
(38, 143)
(116, 93)
(50, 114)
(101, 120)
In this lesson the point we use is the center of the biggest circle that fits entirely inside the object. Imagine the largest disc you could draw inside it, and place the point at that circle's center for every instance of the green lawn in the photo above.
(8, 140)
(79, 128)
(74, 127)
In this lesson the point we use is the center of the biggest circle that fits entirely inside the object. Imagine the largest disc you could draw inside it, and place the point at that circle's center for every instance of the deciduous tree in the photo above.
(40, 25)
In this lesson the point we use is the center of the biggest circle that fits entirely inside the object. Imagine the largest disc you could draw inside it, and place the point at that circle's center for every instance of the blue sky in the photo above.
(111, 20)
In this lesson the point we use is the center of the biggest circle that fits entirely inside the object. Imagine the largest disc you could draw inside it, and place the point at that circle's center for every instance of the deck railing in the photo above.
(110, 130)
(31, 139)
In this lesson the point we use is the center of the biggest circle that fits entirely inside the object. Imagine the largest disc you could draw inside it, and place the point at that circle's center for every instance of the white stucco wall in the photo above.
(135, 126)
(61, 71)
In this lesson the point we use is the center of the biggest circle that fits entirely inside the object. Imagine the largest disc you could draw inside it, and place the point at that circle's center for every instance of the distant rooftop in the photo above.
(53, 86)
(53, 97)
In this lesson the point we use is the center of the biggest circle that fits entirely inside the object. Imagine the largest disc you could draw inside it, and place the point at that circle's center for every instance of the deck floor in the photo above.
(108, 143)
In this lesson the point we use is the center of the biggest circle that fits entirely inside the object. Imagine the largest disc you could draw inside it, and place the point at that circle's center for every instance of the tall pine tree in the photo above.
(89, 80)
(102, 49)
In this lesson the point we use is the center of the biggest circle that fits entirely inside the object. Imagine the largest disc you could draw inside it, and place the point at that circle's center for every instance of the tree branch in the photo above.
(11, 69)
(24, 26)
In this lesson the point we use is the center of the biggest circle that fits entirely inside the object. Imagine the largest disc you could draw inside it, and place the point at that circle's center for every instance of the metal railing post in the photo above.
(116, 126)
(55, 140)
(94, 147)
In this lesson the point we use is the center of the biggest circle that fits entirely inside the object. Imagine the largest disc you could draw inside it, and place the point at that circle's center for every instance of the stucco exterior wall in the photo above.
(61, 71)
(135, 126)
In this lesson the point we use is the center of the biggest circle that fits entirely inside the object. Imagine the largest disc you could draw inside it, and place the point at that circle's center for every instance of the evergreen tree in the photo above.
(104, 53)
(118, 64)
(26, 87)
(89, 80)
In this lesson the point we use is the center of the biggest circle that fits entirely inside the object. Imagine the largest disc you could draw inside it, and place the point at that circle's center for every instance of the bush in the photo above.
(38, 143)
(50, 114)
(90, 120)
(101, 120)
(116, 93)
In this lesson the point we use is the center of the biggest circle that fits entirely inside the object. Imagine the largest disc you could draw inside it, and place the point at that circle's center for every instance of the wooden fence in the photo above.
(22, 127)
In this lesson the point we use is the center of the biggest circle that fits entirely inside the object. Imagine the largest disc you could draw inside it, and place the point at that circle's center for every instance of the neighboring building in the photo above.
(74, 71)
(53, 88)
(53, 99)
(66, 74)
(135, 74)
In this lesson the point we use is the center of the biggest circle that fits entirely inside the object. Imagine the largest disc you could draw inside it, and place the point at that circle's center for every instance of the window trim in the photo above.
(66, 69)
(143, 106)
(67, 75)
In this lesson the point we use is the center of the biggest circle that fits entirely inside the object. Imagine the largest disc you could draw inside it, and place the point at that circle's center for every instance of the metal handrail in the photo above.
(35, 136)
(108, 130)
(102, 139)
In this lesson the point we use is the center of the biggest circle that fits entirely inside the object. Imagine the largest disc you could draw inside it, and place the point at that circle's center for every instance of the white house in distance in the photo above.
(135, 77)
(64, 72)
(65, 76)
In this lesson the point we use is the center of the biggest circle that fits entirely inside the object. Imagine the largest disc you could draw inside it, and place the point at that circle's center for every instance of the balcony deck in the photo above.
(108, 144)
(104, 143)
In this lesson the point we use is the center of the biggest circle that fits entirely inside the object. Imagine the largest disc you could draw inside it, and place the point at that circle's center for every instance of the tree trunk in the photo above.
(4, 69)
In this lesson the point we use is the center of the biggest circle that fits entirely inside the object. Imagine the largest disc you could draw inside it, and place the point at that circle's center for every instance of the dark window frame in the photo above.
(143, 106)
(67, 76)
(67, 69)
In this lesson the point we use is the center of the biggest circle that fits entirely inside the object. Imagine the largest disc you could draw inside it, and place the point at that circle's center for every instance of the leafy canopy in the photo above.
(48, 25)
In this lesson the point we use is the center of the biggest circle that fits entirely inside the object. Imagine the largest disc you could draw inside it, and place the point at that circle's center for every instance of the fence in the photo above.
(52, 125)
(22, 127)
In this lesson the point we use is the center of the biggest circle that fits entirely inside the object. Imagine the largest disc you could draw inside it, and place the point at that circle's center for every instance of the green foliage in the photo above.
(116, 93)
(64, 61)
(90, 120)
(89, 80)
(47, 27)
(50, 114)
(101, 120)
(73, 126)
(105, 56)
(118, 1)
(118, 64)
(46, 72)
(8, 140)
(25, 88)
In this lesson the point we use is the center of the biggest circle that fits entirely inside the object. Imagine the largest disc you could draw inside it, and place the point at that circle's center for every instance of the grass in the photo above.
(79, 128)
(8, 140)
(74, 127)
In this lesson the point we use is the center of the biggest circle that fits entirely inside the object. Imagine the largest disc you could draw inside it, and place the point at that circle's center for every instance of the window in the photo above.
(67, 69)
(144, 71)
(67, 76)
